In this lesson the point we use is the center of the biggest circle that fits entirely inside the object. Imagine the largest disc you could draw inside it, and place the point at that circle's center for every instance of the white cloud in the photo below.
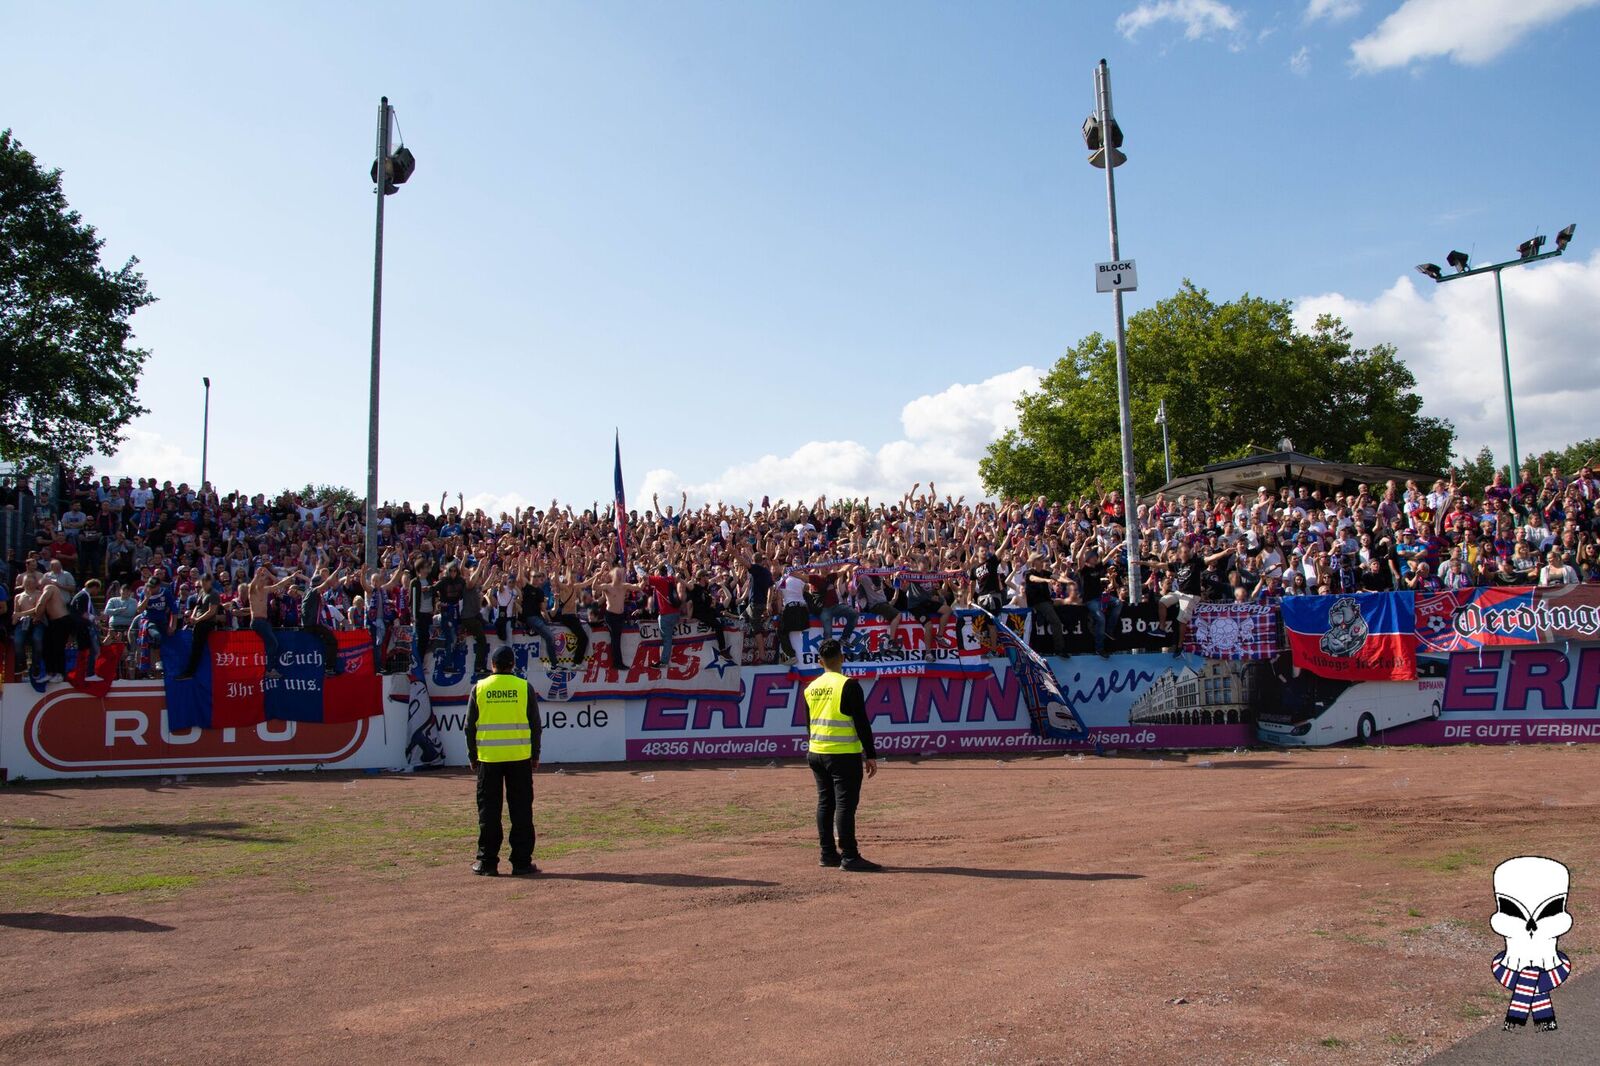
(1300, 62)
(944, 436)
(1449, 336)
(146, 453)
(494, 504)
(1468, 31)
(1332, 10)
(1198, 17)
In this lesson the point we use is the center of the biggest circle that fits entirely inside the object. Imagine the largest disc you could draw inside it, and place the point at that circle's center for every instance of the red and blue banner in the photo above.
(230, 687)
(1468, 619)
(1368, 636)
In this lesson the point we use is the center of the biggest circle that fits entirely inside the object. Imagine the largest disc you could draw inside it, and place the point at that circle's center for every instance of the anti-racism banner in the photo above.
(1368, 636)
(698, 666)
(1463, 619)
(1233, 631)
(230, 688)
(957, 648)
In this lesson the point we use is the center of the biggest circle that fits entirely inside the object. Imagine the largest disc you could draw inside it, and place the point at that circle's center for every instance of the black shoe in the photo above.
(523, 869)
(486, 869)
(828, 860)
(859, 865)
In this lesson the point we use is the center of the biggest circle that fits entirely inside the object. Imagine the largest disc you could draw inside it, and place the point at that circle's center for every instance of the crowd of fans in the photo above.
(135, 560)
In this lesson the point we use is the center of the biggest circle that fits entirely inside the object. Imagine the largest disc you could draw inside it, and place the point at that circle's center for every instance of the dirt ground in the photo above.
(1326, 906)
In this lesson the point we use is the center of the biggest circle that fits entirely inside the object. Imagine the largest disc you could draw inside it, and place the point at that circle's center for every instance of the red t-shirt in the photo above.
(663, 588)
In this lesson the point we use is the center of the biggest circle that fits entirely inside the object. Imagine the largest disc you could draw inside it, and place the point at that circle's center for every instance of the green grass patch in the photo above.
(1472, 1012)
(1333, 1042)
(292, 844)
(1451, 861)
(1181, 887)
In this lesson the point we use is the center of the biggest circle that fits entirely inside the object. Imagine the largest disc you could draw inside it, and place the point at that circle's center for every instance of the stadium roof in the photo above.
(1276, 469)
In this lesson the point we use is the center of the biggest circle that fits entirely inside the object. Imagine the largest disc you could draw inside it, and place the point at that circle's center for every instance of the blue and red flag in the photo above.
(1049, 712)
(230, 687)
(1367, 636)
(622, 507)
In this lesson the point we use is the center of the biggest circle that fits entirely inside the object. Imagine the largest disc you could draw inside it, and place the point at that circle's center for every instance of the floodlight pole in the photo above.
(1130, 523)
(205, 435)
(1166, 446)
(1505, 350)
(384, 119)
(1505, 372)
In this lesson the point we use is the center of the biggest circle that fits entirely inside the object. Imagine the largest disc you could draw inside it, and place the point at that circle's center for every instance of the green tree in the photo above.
(341, 498)
(69, 377)
(1477, 473)
(1236, 377)
(1568, 460)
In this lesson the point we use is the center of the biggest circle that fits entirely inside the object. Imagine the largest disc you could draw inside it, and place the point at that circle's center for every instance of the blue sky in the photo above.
(755, 235)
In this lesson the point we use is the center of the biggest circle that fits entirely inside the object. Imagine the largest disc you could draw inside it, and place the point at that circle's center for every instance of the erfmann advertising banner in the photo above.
(1488, 696)
(981, 713)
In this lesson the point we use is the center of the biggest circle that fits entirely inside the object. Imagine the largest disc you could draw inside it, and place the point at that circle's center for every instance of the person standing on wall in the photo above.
(503, 746)
(841, 753)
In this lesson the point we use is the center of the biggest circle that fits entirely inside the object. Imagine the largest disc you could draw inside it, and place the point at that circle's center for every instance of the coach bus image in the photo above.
(1317, 711)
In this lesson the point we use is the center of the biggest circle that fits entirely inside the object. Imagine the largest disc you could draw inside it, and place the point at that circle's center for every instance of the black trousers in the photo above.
(838, 794)
(580, 635)
(330, 646)
(796, 618)
(200, 645)
(615, 623)
(56, 632)
(510, 783)
(480, 642)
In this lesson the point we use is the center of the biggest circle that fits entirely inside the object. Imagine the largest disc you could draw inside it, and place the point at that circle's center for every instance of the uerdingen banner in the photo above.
(1465, 619)
(1369, 636)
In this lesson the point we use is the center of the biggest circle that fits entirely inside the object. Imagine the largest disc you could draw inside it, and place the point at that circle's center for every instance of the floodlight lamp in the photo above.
(1431, 270)
(1091, 133)
(403, 164)
(1457, 260)
(1530, 247)
(1564, 238)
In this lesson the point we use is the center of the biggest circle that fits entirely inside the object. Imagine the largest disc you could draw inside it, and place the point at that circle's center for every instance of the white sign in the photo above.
(1119, 276)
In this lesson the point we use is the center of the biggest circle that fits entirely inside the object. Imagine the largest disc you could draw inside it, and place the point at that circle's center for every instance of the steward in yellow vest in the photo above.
(841, 753)
(503, 746)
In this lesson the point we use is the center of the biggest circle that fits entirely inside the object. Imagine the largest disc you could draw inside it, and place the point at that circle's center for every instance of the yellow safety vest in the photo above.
(504, 734)
(832, 733)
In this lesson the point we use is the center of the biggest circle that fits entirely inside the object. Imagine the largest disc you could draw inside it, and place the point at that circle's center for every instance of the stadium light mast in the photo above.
(1103, 137)
(205, 433)
(1527, 252)
(389, 171)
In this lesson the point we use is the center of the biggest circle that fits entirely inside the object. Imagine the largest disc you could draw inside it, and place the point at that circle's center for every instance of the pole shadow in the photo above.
(661, 880)
(1013, 875)
(81, 923)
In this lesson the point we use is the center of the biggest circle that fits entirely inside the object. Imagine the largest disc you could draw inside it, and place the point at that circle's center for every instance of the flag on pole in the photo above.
(622, 508)
(1050, 714)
